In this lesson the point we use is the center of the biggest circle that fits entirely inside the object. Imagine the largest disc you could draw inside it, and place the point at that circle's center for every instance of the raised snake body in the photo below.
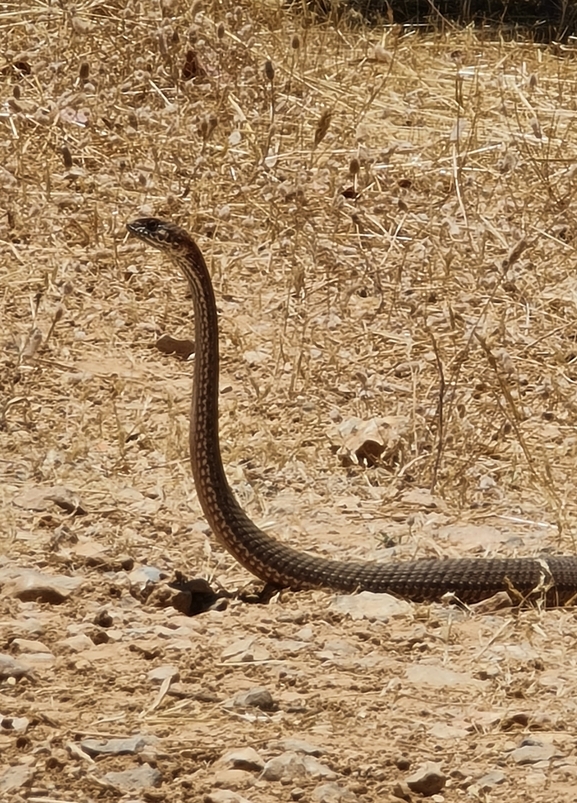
(553, 579)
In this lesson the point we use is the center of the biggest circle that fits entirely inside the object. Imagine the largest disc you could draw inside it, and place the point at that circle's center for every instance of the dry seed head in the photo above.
(84, 71)
(354, 166)
(220, 30)
(515, 252)
(16, 91)
(322, 126)
(532, 80)
(295, 42)
(66, 156)
(269, 70)
(32, 344)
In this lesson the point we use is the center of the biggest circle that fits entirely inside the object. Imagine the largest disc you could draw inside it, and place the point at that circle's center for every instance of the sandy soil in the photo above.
(388, 221)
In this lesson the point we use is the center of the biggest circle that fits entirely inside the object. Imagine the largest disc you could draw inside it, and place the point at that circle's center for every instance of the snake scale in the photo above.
(551, 578)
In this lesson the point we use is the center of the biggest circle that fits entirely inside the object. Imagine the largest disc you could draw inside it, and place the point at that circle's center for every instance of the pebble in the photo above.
(245, 650)
(532, 751)
(137, 778)
(224, 796)
(233, 779)
(10, 668)
(245, 758)
(255, 698)
(489, 780)
(367, 605)
(160, 673)
(117, 747)
(13, 724)
(333, 793)
(29, 585)
(74, 643)
(292, 767)
(24, 645)
(15, 778)
(427, 780)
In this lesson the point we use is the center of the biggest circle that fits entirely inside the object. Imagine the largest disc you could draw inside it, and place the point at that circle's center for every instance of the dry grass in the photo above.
(388, 220)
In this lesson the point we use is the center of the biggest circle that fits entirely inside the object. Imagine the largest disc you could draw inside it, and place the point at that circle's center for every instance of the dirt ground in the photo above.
(389, 221)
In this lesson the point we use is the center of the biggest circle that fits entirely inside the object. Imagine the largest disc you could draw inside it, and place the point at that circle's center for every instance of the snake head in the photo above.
(158, 233)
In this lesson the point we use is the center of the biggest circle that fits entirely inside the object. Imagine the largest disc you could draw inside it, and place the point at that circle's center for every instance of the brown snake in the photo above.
(552, 578)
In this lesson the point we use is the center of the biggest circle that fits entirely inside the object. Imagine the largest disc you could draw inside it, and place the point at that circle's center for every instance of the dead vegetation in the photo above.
(388, 218)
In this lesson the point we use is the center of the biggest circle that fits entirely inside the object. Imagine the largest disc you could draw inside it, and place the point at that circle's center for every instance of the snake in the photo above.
(550, 579)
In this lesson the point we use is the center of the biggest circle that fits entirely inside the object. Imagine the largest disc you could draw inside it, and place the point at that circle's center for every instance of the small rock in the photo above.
(39, 587)
(224, 796)
(490, 779)
(10, 668)
(367, 605)
(333, 793)
(233, 779)
(401, 791)
(24, 645)
(532, 751)
(340, 647)
(41, 499)
(297, 793)
(245, 758)
(15, 778)
(255, 698)
(137, 778)
(117, 747)
(13, 724)
(291, 767)
(77, 643)
(160, 673)
(245, 650)
(427, 780)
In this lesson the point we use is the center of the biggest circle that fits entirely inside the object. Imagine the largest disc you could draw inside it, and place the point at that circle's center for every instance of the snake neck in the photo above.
(204, 440)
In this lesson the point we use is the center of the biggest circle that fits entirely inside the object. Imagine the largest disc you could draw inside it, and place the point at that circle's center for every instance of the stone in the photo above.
(117, 747)
(255, 698)
(160, 673)
(532, 751)
(233, 779)
(245, 758)
(13, 724)
(291, 767)
(489, 780)
(10, 668)
(333, 793)
(224, 796)
(367, 605)
(29, 585)
(24, 645)
(245, 650)
(15, 778)
(427, 780)
(136, 778)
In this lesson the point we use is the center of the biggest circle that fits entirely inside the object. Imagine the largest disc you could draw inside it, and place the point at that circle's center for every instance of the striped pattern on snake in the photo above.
(551, 578)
